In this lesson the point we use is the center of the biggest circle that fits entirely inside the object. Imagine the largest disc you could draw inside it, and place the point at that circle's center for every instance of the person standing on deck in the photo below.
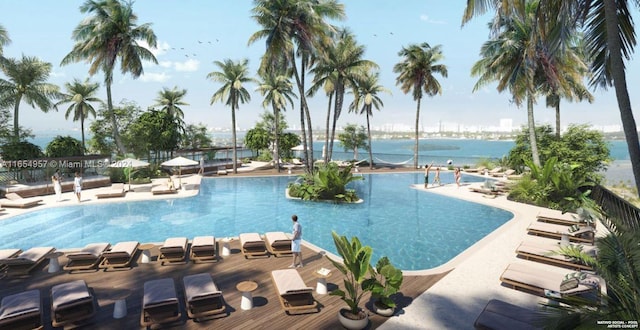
(296, 242)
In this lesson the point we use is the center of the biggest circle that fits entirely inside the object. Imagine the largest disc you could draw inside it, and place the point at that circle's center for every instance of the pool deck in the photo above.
(454, 301)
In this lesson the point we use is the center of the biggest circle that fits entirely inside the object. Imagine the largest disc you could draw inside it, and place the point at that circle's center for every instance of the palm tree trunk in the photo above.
(276, 156)
(84, 148)
(233, 139)
(303, 69)
(532, 131)
(558, 120)
(16, 123)
(620, 85)
(369, 135)
(326, 135)
(416, 146)
(114, 122)
(303, 102)
(336, 114)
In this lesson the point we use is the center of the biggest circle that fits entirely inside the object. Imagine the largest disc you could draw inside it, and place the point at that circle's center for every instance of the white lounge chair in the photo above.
(71, 303)
(203, 249)
(159, 303)
(583, 234)
(119, 256)
(26, 261)
(16, 201)
(86, 259)
(278, 243)
(253, 245)
(545, 250)
(543, 281)
(202, 296)
(174, 250)
(293, 293)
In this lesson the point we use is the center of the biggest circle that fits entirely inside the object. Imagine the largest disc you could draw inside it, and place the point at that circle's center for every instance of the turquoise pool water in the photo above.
(415, 229)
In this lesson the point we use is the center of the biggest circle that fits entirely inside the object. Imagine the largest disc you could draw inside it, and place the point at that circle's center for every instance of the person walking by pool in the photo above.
(56, 179)
(457, 175)
(77, 185)
(296, 242)
(436, 179)
(201, 171)
(426, 174)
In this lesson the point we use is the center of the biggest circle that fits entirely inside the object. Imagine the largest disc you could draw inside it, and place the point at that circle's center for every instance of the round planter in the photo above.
(353, 324)
(382, 310)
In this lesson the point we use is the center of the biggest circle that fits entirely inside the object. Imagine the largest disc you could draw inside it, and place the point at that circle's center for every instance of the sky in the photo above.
(192, 34)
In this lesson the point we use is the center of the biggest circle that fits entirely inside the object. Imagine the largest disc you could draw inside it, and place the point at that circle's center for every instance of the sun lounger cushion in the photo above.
(251, 239)
(203, 243)
(174, 245)
(122, 249)
(90, 251)
(525, 275)
(19, 305)
(9, 253)
(159, 292)
(278, 238)
(288, 281)
(33, 255)
(69, 293)
(199, 286)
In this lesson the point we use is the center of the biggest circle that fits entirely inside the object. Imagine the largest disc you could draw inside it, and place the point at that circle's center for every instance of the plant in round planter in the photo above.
(385, 281)
(328, 182)
(355, 266)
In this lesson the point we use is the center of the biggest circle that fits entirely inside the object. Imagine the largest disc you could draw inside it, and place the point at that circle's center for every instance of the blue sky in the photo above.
(194, 33)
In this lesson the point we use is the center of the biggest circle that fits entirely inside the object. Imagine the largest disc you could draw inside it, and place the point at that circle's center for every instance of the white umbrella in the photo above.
(129, 163)
(179, 161)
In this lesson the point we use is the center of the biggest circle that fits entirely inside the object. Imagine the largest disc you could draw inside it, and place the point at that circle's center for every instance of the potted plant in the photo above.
(355, 266)
(385, 281)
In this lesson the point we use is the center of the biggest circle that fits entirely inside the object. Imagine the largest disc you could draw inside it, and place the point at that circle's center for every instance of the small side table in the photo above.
(120, 303)
(322, 275)
(54, 265)
(247, 299)
(146, 252)
(226, 249)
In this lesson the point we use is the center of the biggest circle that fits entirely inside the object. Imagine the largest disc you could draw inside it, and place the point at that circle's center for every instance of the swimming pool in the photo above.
(415, 229)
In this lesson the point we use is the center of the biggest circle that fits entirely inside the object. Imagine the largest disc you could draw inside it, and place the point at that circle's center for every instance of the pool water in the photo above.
(415, 229)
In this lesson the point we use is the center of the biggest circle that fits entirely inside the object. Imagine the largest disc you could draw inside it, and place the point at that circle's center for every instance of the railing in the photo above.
(616, 207)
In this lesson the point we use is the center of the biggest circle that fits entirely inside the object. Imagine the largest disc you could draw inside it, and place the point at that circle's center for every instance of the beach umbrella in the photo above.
(129, 163)
(179, 162)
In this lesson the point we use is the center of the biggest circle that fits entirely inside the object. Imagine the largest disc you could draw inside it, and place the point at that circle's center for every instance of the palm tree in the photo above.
(342, 65)
(4, 40)
(367, 94)
(170, 101)
(232, 75)
(416, 73)
(278, 93)
(295, 27)
(111, 34)
(27, 81)
(80, 94)
(609, 35)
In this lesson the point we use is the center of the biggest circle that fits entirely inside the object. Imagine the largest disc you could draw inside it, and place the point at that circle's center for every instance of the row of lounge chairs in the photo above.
(71, 304)
(550, 282)
(14, 262)
(275, 243)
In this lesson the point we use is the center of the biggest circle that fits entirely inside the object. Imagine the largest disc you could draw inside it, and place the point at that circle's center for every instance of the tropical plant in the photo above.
(110, 34)
(416, 73)
(102, 130)
(609, 34)
(64, 146)
(26, 81)
(353, 138)
(341, 65)
(329, 182)
(367, 94)
(385, 281)
(80, 94)
(156, 133)
(278, 93)
(169, 101)
(195, 136)
(355, 265)
(232, 75)
(295, 28)
(257, 139)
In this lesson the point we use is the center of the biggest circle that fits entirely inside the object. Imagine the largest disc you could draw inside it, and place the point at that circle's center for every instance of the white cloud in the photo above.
(425, 17)
(165, 64)
(189, 65)
(155, 77)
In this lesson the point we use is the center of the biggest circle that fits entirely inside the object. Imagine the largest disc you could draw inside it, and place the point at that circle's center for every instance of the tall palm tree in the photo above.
(26, 81)
(232, 75)
(278, 93)
(610, 38)
(80, 95)
(4, 40)
(290, 28)
(343, 65)
(367, 93)
(111, 34)
(416, 73)
(169, 101)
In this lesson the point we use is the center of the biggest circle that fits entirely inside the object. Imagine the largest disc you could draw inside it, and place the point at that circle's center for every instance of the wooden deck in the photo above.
(266, 314)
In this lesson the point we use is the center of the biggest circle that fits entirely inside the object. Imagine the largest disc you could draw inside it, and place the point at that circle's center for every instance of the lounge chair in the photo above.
(278, 243)
(159, 303)
(503, 174)
(119, 256)
(203, 249)
(559, 218)
(116, 190)
(475, 170)
(548, 281)
(222, 170)
(293, 293)
(87, 258)
(545, 250)
(584, 234)
(26, 261)
(253, 245)
(16, 201)
(71, 303)
(21, 311)
(174, 250)
(202, 297)
(495, 171)
(500, 315)
(6, 254)
(163, 189)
